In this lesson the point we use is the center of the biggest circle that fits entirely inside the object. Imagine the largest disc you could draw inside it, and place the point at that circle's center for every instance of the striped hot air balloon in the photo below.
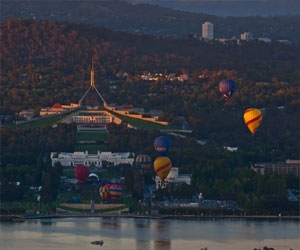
(143, 162)
(104, 192)
(227, 88)
(252, 118)
(162, 166)
(115, 191)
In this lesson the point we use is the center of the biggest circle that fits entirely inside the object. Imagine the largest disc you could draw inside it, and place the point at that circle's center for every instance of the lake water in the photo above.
(148, 234)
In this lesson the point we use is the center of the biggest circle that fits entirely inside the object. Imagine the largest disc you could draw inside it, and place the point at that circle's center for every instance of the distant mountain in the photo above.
(232, 7)
(152, 19)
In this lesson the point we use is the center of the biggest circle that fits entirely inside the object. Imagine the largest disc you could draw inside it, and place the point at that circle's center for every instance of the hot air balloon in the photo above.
(105, 192)
(252, 118)
(162, 166)
(93, 177)
(227, 88)
(143, 162)
(115, 191)
(82, 173)
(162, 145)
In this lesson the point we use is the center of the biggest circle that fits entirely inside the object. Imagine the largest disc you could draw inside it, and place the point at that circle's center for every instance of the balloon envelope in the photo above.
(143, 162)
(82, 173)
(162, 145)
(105, 192)
(227, 87)
(115, 191)
(252, 118)
(93, 176)
(162, 166)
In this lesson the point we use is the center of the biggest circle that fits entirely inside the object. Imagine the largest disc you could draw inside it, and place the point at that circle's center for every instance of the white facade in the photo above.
(264, 39)
(208, 31)
(90, 117)
(97, 160)
(247, 36)
(173, 177)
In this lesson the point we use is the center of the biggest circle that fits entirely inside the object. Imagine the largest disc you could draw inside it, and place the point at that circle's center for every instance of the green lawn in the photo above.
(135, 122)
(140, 124)
(92, 136)
(43, 122)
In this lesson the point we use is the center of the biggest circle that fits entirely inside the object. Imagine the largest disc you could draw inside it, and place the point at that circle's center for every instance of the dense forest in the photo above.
(45, 62)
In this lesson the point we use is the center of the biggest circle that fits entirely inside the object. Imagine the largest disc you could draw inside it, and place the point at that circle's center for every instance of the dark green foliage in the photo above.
(45, 63)
(25, 158)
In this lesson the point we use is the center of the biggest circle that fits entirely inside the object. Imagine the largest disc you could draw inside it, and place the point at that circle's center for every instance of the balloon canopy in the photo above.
(115, 191)
(82, 173)
(143, 162)
(162, 166)
(162, 145)
(105, 192)
(93, 176)
(252, 118)
(227, 88)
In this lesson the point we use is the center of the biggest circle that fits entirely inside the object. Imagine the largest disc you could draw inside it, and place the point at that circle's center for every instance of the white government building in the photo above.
(173, 177)
(97, 160)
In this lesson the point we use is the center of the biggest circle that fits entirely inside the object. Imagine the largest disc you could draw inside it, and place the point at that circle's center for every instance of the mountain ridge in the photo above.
(151, 19)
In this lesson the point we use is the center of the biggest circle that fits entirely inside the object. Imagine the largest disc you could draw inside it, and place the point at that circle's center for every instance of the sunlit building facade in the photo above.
(208, 31)
(96, 160)
(97, 117)
(287, 167)
(247, 36)
(173, 177)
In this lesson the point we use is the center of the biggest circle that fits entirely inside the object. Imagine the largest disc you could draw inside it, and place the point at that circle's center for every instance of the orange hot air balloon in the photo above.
(162, 166)
(252, 118)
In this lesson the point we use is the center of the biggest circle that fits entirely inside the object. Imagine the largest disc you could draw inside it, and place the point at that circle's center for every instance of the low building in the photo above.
(57, 108)
(264, 39)
(27, 114)
(173, 177)
(287, 167)
(96, 160)
(247, 36)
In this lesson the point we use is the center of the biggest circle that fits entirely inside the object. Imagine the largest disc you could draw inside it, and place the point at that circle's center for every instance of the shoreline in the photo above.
(22, 218)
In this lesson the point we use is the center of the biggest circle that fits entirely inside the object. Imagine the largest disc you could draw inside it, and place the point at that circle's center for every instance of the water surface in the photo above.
(148, 234)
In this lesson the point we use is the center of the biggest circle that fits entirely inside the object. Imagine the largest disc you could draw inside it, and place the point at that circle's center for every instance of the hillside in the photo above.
(46, 63)
(144, 18)
(233, 7)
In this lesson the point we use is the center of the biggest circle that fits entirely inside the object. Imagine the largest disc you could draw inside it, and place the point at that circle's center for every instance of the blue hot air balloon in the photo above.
(227, 88)
(162, 145)
(143, 162)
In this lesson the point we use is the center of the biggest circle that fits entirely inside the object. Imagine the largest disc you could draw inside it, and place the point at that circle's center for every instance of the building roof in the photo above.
(57, 106)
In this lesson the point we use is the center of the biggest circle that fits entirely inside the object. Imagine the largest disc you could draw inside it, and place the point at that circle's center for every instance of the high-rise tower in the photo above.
(92, 86)
(208, 31)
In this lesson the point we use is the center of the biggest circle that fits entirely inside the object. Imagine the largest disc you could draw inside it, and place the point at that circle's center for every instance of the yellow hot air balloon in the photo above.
(162, 166)
(252, 118)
